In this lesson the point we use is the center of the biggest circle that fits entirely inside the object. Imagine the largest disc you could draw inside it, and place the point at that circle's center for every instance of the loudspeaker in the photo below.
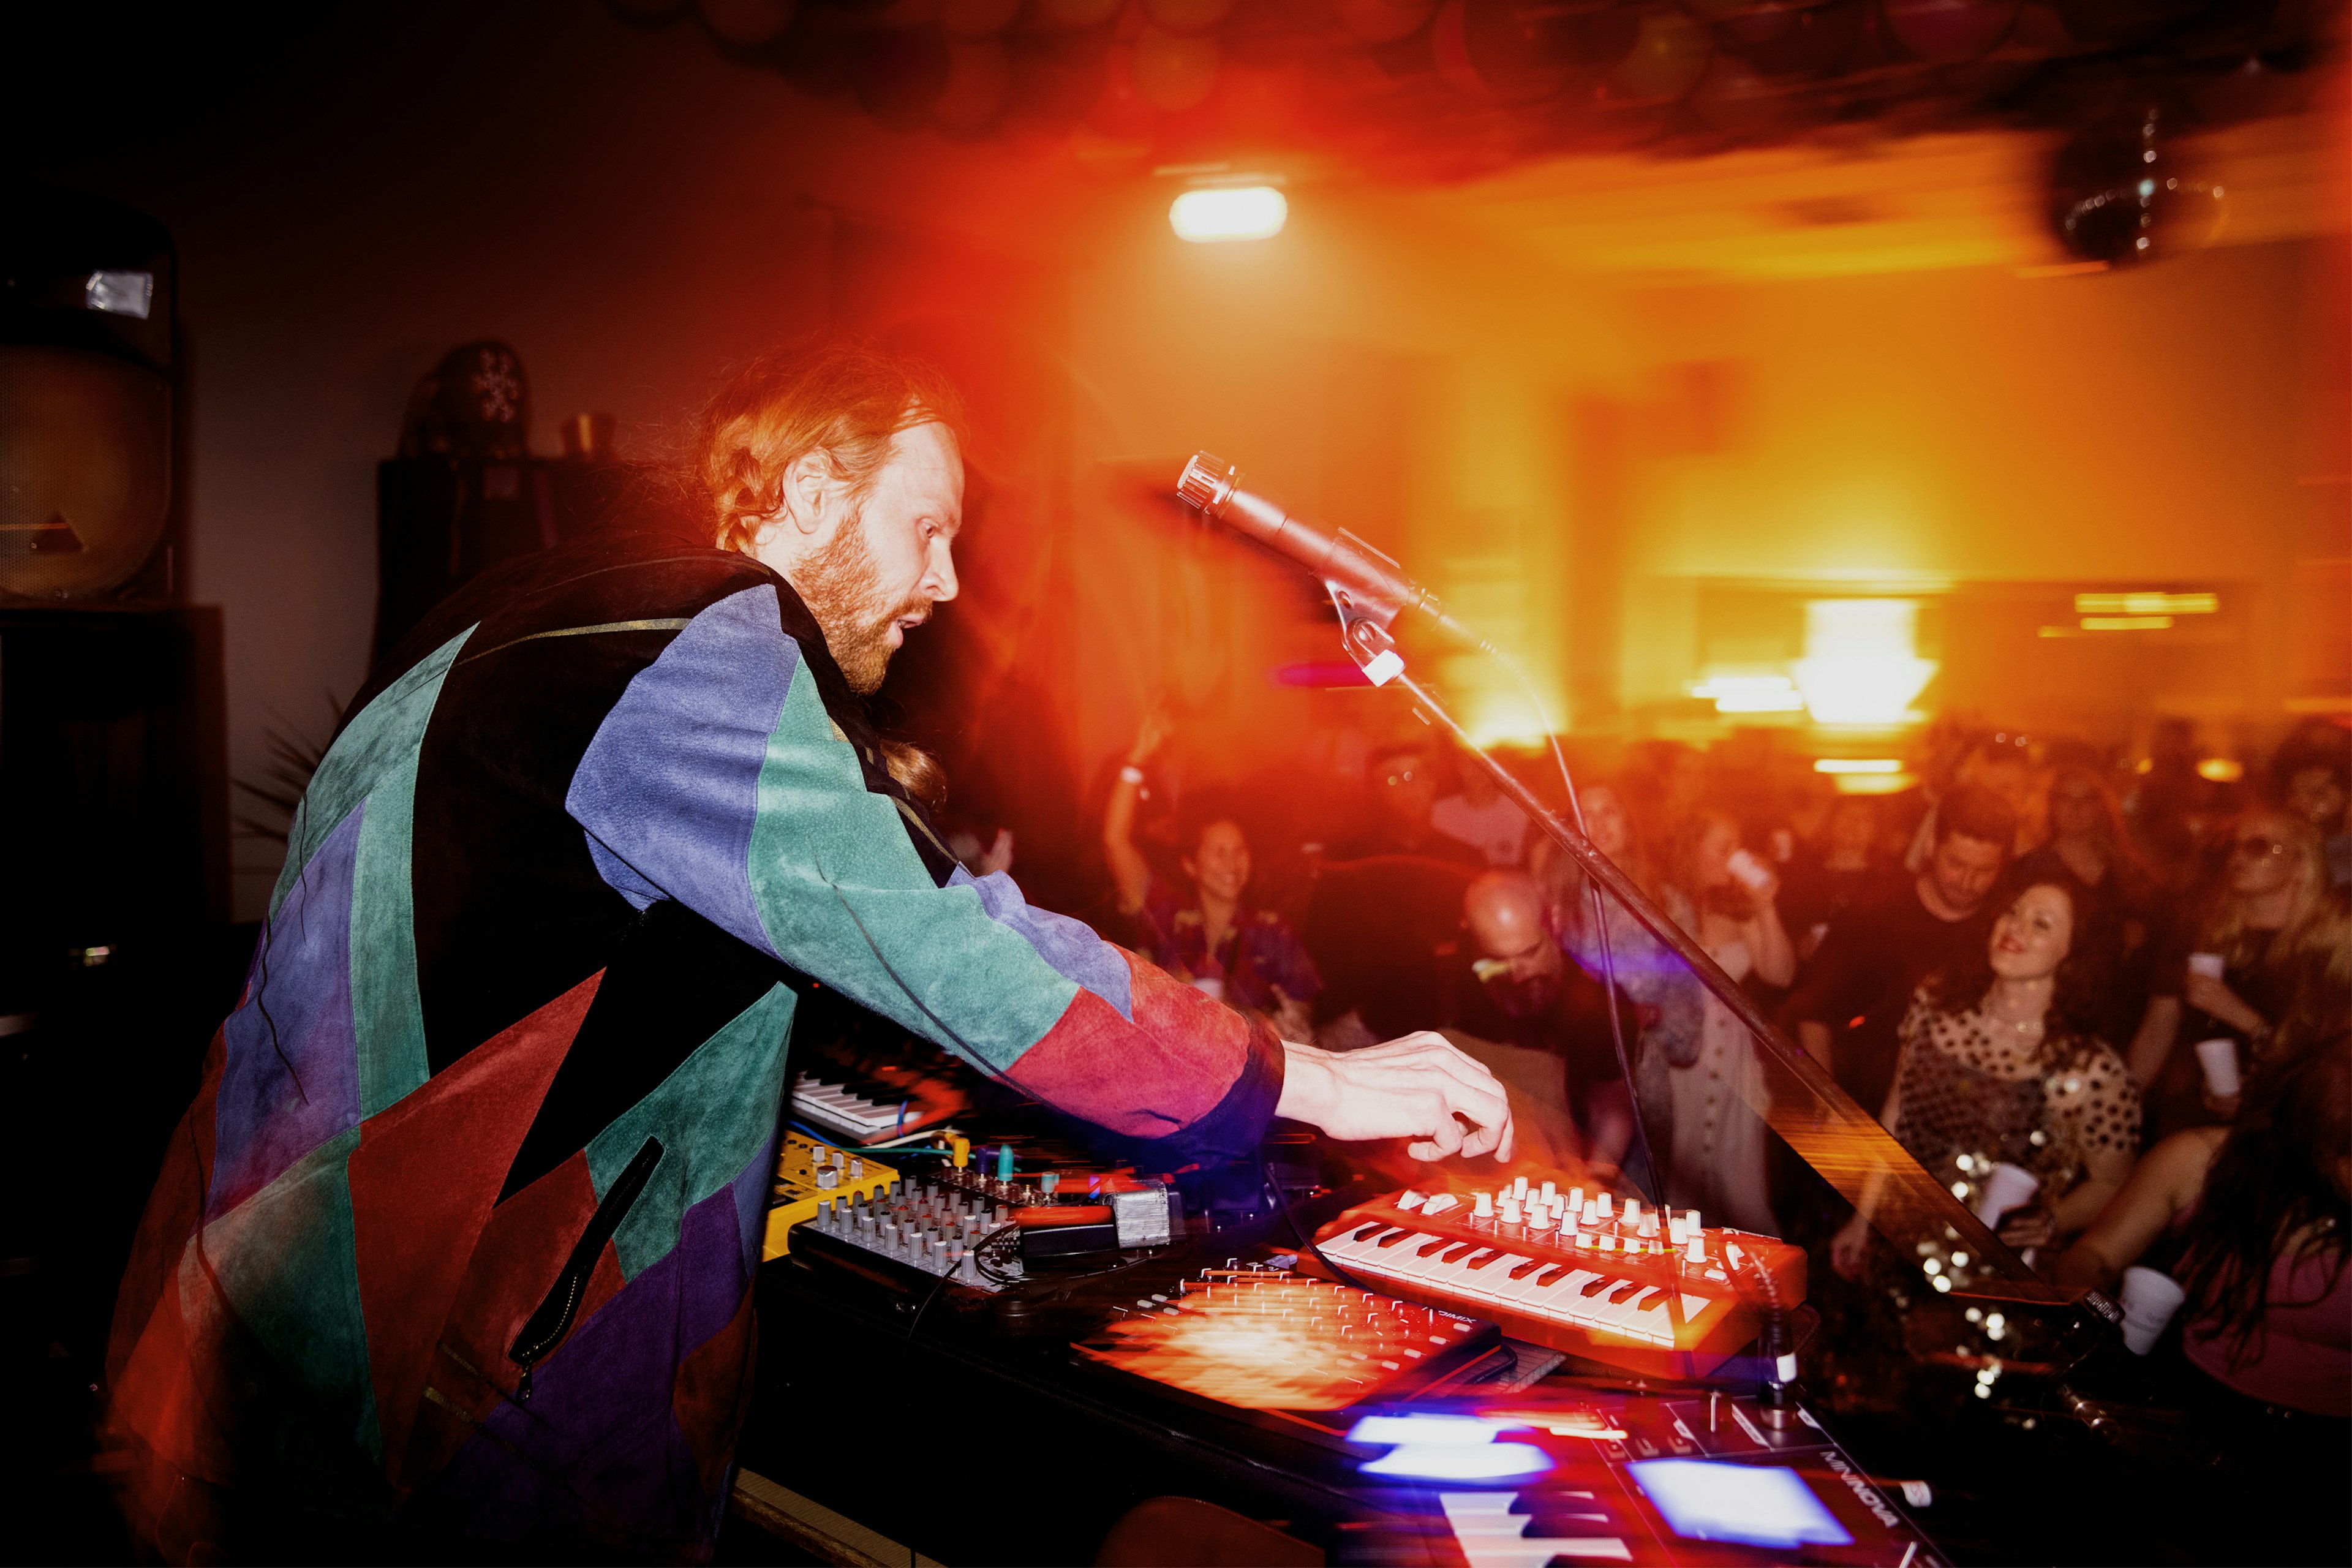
(86, 297)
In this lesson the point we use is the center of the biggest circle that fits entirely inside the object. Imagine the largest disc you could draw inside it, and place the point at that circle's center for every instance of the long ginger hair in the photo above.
(841, 396)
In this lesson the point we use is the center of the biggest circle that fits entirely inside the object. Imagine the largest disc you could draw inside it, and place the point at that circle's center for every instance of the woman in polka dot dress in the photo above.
(2000, 1064)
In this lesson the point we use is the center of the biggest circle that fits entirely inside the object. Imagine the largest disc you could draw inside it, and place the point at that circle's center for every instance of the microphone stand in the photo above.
(1805, 1104)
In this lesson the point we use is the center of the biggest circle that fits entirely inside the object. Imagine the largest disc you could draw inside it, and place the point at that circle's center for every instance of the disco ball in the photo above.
(2121, 196)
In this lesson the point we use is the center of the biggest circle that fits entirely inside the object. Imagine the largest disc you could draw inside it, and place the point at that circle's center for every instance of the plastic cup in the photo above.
(2219, 1058)
(2209, 964)
(2150, 1299)
(2005, 1186)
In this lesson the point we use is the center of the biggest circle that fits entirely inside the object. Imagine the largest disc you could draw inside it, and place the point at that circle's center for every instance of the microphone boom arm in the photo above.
(1800, 1100)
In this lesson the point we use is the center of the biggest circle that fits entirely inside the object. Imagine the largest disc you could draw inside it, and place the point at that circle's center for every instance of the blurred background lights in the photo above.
(1859, 765)
(2145, 604)
(1222, 212)
(1751, 693)
(1862, 666)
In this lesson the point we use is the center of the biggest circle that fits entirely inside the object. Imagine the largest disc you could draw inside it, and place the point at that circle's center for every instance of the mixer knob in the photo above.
(1633, 1211)
(1483, 1206)
(1548, 1192)
(1518, 1186)
(1510, 1212)
(1576, 1199)
(1539, 1218)
(1602, 1204)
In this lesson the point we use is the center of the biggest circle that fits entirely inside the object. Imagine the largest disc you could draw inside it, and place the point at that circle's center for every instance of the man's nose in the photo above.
(939, 582)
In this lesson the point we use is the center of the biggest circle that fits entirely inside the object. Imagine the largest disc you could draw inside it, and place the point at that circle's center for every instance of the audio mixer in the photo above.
(1581, 1270)
(811, 1175)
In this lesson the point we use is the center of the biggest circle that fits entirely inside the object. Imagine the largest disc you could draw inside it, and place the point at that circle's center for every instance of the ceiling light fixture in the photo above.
(1214, 214)
(1750, 693)
(1860, 666)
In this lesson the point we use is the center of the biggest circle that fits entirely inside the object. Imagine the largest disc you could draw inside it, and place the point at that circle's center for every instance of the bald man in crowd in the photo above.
(1540, 1024)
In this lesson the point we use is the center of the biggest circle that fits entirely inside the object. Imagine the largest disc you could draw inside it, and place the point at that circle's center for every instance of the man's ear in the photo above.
(807, 488)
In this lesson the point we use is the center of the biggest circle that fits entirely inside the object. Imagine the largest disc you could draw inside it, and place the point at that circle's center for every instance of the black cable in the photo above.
(1299, 1231)
(1657, 1190)
(940, 1283)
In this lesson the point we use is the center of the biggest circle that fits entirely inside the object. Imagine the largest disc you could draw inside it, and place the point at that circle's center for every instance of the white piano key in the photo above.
(1652, 1319)
(1353, 1243)
(1558, 1299)
(1616, 1308)
(1405, 1257)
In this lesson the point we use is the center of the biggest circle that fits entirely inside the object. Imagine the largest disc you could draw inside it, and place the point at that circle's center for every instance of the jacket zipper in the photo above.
(544, 1328)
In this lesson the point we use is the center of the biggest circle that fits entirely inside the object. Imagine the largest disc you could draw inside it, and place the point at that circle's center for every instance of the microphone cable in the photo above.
(1510, 666)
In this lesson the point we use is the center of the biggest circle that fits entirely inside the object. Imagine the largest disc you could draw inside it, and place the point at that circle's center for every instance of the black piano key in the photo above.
(1485, 1256)
(1524, 1269)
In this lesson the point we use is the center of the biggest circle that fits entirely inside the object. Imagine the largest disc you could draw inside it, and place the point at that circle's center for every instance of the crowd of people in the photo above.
(2084, 996)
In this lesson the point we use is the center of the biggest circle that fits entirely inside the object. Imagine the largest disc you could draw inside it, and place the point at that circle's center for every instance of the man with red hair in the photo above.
(456, 1243)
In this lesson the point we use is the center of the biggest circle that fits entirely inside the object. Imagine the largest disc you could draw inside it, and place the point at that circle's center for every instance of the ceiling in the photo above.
(1828, 207)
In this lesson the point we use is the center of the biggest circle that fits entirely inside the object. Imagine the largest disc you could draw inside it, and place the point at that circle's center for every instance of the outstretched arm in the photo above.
(2166, 1181)
(720, 781)
(1129, 870)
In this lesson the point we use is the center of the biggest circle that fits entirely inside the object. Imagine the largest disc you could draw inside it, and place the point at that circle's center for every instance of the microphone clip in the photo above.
(1364, 633)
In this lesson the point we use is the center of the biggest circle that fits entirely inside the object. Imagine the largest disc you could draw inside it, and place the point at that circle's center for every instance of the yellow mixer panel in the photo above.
(807, 1172)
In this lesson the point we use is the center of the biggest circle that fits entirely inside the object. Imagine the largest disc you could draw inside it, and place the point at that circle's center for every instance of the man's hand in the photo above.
(2031, 1225)
(1849, 1247)
(1415, 1087)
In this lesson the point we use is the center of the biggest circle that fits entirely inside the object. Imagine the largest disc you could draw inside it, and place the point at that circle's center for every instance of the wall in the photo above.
(632, 210)
(1955, 428)
(625, 206)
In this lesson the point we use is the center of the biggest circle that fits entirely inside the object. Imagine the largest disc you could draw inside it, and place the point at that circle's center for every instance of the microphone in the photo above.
(1375, 587)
